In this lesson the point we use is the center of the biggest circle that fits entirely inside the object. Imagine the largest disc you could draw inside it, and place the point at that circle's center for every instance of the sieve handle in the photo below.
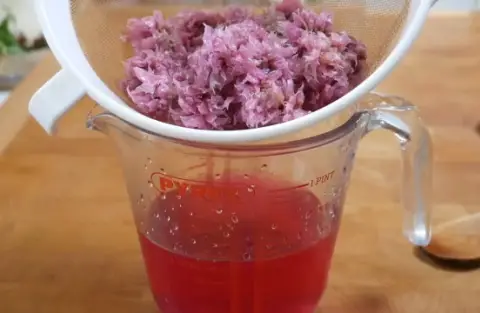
(55, 98)
(400, 117)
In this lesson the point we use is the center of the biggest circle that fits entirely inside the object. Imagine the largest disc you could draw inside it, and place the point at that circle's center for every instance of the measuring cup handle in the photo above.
(399, 116)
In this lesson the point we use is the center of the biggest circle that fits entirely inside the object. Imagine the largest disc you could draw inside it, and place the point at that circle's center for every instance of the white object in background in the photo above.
(26, 21)
(455, 5)
(3, 97)
(55, 98)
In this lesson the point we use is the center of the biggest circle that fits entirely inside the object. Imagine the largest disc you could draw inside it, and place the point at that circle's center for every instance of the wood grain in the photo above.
(68, 242)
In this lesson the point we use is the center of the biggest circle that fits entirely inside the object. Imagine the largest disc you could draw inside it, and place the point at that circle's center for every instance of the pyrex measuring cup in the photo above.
(252, 228)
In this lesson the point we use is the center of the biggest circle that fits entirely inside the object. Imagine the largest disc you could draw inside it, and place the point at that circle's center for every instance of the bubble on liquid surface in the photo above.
(308, 215)
(246, 176)
(226, 234)
(332, 214)
(157, 215)
(175, 227)
(145, 166)
(142, 199)
(247, 256)
(168, 218)
(335, 191)
(149, 161)
(191, 214)
(264, 167)
(150, 184)
(324, 229)
(162, 170)
(234, 219)
(219, 211)
(274, 226)
(193, 241)
(163, 196)
(217, 176)
(179, 197)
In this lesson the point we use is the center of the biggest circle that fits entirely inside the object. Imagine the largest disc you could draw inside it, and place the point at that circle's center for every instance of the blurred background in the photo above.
(22, 45)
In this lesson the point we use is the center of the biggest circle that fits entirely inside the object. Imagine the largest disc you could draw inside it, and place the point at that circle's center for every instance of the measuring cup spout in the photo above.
(102, 122)
(127, 138)
(109, 124)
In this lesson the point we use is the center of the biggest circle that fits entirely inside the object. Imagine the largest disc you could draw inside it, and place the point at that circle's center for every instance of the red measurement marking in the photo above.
(197, 166)
(205, 190)
(290, 188)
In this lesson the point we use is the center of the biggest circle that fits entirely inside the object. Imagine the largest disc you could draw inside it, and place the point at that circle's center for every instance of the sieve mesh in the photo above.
(100, 23)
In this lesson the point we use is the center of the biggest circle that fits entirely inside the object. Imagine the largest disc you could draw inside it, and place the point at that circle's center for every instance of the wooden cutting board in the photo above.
(68, 244)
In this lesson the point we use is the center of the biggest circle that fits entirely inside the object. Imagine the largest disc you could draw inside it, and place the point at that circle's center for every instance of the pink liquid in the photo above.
(268, 254)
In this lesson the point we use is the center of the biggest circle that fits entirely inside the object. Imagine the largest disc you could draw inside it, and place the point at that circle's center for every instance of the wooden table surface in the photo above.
(67, 239)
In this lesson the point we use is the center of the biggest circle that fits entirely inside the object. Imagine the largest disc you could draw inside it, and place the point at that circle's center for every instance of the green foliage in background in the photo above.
(8, 41)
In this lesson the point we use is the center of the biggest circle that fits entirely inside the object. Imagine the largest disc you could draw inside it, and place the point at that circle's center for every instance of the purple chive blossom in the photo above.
(235, 69)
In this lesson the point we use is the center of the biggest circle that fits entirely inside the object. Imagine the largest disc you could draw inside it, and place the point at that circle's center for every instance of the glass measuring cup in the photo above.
(252, 228)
